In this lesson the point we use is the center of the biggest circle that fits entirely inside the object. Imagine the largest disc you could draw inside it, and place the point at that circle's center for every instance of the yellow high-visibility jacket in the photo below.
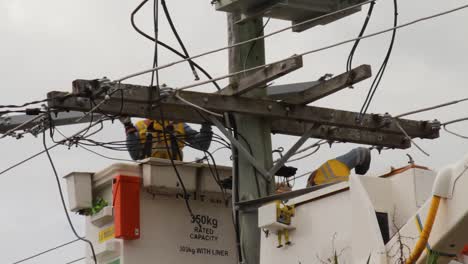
(331, 171)
(159, 149)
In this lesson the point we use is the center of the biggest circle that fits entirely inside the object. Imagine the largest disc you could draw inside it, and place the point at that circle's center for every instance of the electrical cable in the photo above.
(349, 64)
(317, 147)
(63, 199)
(106, 157)
(40, 152)
(156, 75)
(454, 133)
(167, 46)
(176, 34)
(26, 160)
(453, 122)
(25, 104)
(383, 67)
(215, 174)
(134, 161)
(235, 189)
(218, 149)
(212, 80)
(318, 143)
(302, 175)
(432, 107)
(301, 54)
(46, 251)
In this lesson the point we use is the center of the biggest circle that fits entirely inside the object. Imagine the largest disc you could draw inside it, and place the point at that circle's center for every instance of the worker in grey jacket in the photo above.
(148, 138)
(339, 168)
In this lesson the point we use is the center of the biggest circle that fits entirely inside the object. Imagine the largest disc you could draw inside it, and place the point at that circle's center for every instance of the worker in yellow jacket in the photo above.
(146, 138)
(339, 169)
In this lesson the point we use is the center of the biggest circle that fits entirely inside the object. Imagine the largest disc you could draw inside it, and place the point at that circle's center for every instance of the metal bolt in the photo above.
(270, 107)
(435, 124)
(386, 119)
(81, 101)
(380, 138)
(287, 109)
(205, 99)
(379, 149)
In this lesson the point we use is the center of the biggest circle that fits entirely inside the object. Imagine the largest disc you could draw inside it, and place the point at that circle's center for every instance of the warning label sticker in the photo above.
(106, 234)
(204, 251)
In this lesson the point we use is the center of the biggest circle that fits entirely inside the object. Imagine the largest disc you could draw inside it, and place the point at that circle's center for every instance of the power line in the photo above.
(246, 41)
(453, 122)
(176, 34)
(177, 95)
(165, 45)
(48, 148)
(46, 251)
(320, 49)
(349, 64)
(161, 111)
(27, 159)
(383, 67)
(431, 107)
(63, 199)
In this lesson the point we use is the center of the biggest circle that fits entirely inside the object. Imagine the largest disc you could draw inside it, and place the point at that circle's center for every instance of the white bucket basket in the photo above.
(79, 190)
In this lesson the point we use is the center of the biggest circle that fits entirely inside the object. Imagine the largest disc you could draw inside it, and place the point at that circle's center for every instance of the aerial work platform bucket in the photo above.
(146, 217)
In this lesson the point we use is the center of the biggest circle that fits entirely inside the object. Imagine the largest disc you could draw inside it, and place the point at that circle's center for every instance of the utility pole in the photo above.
(255, 130)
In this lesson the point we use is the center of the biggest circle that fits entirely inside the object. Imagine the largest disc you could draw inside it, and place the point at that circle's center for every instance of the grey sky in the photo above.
(45, 45)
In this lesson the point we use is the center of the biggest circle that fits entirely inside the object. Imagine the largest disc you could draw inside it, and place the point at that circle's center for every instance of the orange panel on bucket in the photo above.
(126, 202)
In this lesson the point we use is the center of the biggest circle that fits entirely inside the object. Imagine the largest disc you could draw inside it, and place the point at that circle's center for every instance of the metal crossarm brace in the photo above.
(267, 174)
(331, 86)
(252, 205)
(261, 77)
(291, 152)
(241, 148)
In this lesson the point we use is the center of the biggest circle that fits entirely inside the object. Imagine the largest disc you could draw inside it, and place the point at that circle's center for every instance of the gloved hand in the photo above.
(205, 127)
(126, 120)
(286, 171)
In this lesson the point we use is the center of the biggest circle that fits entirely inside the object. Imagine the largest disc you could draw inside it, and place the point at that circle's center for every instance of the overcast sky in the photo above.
(45, 45)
